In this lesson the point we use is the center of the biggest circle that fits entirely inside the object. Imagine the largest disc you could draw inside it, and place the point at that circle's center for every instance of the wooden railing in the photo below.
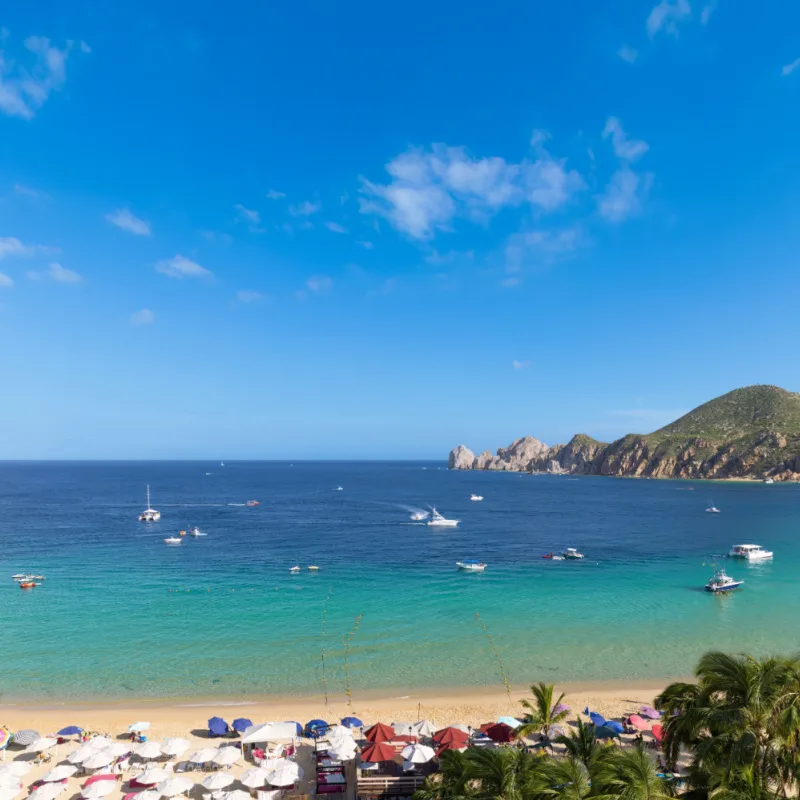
(388, 785)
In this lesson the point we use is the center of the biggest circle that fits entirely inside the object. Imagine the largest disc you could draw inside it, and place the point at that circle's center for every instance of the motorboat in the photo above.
(252, 503)
(418, 516)
(572, 553)
(313, 568)
(173, 540)
(720, 582)
(442, 522)
(553, 556)
(476, 498)
(222, 463)
(769, 481)
(294, 570)
(339, 489)
(196, 532)
(28, 584)
(712, 509)
(149, 514)
(750, 552)
(20, 576)
(471, 566)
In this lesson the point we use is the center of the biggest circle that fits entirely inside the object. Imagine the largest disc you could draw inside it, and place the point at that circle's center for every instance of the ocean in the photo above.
(123, 616)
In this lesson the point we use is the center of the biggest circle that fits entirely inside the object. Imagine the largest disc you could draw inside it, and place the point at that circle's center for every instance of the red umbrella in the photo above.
(379, 733)
(499, 732)
(658, 733)
(378, 751)
(450, 735)
(96, 778)
(638, 722)
(451, 746)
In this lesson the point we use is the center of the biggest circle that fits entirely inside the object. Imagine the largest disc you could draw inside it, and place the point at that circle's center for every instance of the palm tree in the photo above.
(580, 743)
(561, 779)
(629, 774)
(506, 773)
(541, 711)
(451, 782)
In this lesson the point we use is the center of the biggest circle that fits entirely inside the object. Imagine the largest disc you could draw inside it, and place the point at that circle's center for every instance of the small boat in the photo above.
(149, 514)
(28, 584)
(476, 498)
(313, 568)
(20, 576)
(442, 522)
(418, 516)
(222, 463)
(471, 566)
(769, 481)
(712, 509)
(252, 503)
(553, 556)
(338, 489)
(720, 582)
(750, 552)
(572, 553)
(294, 570)
(173, 540)
(196, 532)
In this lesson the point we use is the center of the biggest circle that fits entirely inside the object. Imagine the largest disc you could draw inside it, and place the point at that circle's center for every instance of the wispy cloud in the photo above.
(84, 47)
(272, 194)
(335, 227)
(366, 245)
(248, 214)
(788, 69)
(627, 53)
(319, 283)
(55, 272)
(666, 16)
(10, 246)
(27, 191)
(539, 248)
(624, 195)
(24, 88)
(5, 281)
(520, 364)
(249, 296)
(708, 10)
(127, 221)
(216, 236)
(624, 148)
(181, 267)
(143, 317)
(305, 209)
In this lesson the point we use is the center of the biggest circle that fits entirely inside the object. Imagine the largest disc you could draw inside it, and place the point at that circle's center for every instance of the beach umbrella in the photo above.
(285, 774)
(97, 790)
(658, 733)
(174, 747)
(217, 781)
(559, 709)
(345, 752)
(512, 722)
(338, 732)
(148, 750)
(597, 719)
(174, 785)
(98, 743)
(403, 728)
(639, 723)
(77, 755)
(618, 727)
(147, 794)
(26, 737)
(241, 724)
(352, 722)
(70, 730)
(254, 778)
(10, 792)
(204, 756)
(217, 726)
(297, 725)
(226, 756)
(499, 732)
(117, 749)
(236, 794)
(98, 760)
(138, 727)
(460, 726)
(367, 766)
(418, 754)
(17, 768)
(9, 781)
(59, 773)
(378, 751)
(315, 727)
(649, 712)
(269, 731)
(152, 775)
(379, 733)
(450, 735)
(42, 744)
(604, 732)
(47, 791)
(451, 746)
(423, 728)
(100, 777)
(5, 738)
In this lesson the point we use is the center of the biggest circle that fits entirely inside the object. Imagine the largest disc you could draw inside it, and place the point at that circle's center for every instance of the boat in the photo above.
(720, 582)
(442, 522)
(476, 498)
(712, 509)
(294, 570)
(222, 463)
(338, 489)
(769, 481)
(196, 532)
(252, 503)
(26, 576)
(149, 514)
(553, 556)
(28, 584)
(750, 552)
(418, 516)
(173, 540)
(313, 568)
(572, 553)
(19, 576)
(471, 566)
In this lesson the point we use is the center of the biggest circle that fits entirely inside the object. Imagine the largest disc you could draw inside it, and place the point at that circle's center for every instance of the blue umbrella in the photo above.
(352, 722)
(70, 730)
(604, 732)
(297, 725)
(242, 724)
(217, 726)
(597, 719)
(614, 725)
(316, 726)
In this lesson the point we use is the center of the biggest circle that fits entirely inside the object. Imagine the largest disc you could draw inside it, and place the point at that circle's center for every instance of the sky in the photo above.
(380, 230)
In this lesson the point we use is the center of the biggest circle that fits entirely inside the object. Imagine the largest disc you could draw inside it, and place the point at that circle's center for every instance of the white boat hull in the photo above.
(173, 541)
(470, 567)
(443, 523)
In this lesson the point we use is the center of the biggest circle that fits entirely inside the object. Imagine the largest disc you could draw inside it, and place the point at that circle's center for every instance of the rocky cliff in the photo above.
(752, 432)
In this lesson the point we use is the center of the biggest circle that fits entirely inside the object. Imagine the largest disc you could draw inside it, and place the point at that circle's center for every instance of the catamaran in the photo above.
(442, 522)
(149, 514)
(750, 552)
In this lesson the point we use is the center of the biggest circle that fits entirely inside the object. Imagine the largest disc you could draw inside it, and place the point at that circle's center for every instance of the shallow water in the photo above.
(121, 615)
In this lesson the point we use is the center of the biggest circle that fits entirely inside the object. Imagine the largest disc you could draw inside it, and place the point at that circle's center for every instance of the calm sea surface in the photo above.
(122, 615)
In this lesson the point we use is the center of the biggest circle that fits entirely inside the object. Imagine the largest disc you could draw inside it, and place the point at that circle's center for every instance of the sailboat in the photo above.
(149, 514)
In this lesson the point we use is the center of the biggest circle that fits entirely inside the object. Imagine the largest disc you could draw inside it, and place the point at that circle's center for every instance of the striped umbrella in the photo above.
(26, 737)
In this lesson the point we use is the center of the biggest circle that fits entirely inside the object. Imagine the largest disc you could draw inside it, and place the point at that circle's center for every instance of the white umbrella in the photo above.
(47, 791)
(236, 794)
(9, 781)
(226, 756)
(147, 750)
(173, 786)
(42, 744)
(268, 732)
(117, 749)
(148, 794)
(285, 775)
(99, 743)
(338, 732)
(59, 773)
(98, 760)
(174, 747)
(254, 778)
(418, 753)
(152, 776)
(345, 752)
(423, 728)
(98, 789)
(9, 792)
(17, 768)
(204, 756)
(81, 754)
(138, 727)
(403, 728)
(217, 781)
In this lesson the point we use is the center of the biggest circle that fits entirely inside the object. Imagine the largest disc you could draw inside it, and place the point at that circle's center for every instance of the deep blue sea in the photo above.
(122, 615)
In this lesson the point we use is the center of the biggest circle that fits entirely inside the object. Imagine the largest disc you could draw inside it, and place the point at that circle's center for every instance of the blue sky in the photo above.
(380, 230)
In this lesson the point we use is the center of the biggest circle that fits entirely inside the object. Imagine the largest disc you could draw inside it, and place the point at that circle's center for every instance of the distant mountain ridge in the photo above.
(753, 432)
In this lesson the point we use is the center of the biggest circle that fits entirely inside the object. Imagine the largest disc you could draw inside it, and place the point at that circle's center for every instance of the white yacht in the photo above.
(720, 582)
(471, 566)
(294, 570)
(476, 498)
(750, 552)
(149, 514)
(441, 522)
(572, 553)
(173, 540)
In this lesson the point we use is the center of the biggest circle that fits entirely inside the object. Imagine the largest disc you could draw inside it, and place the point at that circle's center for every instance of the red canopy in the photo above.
(498, 732)
(658, 732)
(378, 751)
(451, 746)
(96, 778)
(379, 733)
(450, 735)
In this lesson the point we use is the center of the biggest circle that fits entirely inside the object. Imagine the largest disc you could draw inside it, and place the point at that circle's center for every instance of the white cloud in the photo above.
(124, 219)
(305, 209)
(61, 274)
(5, 281)
(366, 245)
(510, 283)
(248, 214)
(624, 148)
(143, 317)
(85, 47)
(788, 69)
(708, 10)
(181, 267)
(627, 53)
(11, 246)
(27, 191)
(624, 195)
(319, 283)
(335, 227)
(540, 248)
(520, 364)
(272, 194)
(24, 90)
(249, 296)
(430, 188)
(666, 16)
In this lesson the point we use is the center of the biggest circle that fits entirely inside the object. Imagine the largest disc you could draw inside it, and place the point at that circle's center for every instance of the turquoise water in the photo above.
(124, 616)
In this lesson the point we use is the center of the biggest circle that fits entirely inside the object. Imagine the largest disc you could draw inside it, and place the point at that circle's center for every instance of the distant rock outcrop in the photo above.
(461, 458)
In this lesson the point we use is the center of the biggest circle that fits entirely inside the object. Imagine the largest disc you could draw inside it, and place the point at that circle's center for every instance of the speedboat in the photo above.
(476, 498)
(149, 514)
(196, 532)
(339, 489)
(294, 570)
(750, 552)
(28, 584)
(712, 509)
(769, 480)
(471, 566)
(442, 522)
(313, 568)
(173, 540)
(418, 516)
(572, 553)
(553, 557)
(720, 582)
(252, 503)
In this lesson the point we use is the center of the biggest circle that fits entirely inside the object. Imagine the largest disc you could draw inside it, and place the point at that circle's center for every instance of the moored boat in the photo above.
(750, 552)
(471, 566)
(720, 582)
(313, 568)
(572, 553)
(149, 514)
(28, 584)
